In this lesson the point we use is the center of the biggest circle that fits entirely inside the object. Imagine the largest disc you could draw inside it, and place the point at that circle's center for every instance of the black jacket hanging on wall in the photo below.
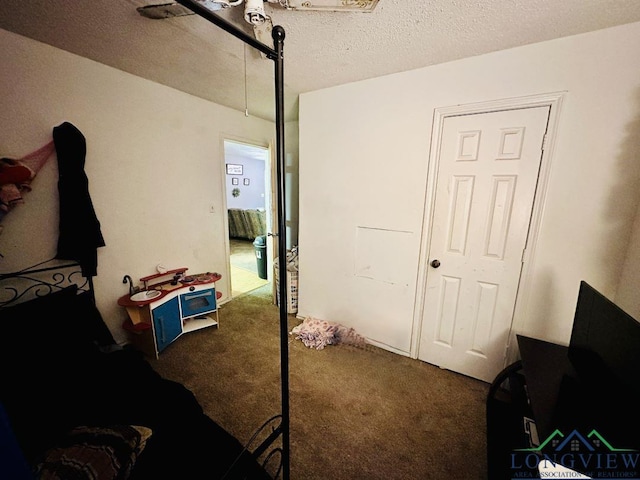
(80, 234)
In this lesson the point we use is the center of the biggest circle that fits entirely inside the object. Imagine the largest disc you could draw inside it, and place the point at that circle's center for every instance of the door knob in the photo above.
(435, 263)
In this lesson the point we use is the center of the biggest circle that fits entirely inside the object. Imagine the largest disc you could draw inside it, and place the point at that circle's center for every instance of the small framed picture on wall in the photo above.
(234, 181)
(234, 169)
(245, 181)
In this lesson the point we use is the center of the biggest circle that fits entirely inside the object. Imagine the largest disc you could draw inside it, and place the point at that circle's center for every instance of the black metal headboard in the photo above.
(40, 280)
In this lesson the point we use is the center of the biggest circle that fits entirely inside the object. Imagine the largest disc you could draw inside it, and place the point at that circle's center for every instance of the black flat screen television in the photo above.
(603, 392)
(605, 338)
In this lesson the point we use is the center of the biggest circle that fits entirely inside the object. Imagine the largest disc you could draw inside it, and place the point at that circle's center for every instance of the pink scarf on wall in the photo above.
(16, 176)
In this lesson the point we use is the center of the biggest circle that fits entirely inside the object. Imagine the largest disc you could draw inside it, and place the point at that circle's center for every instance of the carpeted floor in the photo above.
(356, 413)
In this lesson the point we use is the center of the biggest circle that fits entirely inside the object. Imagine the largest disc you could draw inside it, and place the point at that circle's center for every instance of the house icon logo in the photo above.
(575, 455)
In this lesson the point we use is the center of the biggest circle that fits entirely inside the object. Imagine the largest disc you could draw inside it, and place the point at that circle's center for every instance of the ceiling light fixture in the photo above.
(215, 5)
(255, 8)
(331, 5)
(254, 12)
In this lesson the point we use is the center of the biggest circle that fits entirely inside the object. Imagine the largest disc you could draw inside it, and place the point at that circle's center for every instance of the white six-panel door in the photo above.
(486, 181)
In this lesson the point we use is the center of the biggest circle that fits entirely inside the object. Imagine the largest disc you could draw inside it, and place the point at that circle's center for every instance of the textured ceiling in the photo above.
(321, 49)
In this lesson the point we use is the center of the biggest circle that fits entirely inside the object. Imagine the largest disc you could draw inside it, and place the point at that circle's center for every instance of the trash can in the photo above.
(260, 246)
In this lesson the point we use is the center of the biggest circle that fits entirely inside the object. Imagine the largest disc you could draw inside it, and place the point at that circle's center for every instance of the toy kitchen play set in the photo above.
(169, 304)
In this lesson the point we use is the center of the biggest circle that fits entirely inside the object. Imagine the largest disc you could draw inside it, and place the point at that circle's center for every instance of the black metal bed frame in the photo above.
(275, 54)
(42, 279)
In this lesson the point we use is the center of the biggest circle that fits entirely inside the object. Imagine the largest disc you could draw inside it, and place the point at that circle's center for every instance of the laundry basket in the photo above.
(292, 280)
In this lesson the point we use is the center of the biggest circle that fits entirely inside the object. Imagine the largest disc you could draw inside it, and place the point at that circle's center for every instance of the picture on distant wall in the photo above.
(234, 181)
(245, 181)
(233, 169)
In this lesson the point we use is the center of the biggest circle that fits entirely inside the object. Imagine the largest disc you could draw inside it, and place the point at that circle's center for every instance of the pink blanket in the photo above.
(317, 334)
(16, 176)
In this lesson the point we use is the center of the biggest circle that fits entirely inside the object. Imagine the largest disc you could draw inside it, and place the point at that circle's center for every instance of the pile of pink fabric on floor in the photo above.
(317, 334)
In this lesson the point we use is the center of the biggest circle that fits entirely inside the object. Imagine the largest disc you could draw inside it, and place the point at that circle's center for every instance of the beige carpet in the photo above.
(356, 413)
(243, 281)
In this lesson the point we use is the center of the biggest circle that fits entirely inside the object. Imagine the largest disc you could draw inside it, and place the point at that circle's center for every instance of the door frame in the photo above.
(268, 200)
(553, 100)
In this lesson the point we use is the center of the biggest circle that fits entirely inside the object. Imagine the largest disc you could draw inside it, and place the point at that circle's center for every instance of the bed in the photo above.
(73, 404)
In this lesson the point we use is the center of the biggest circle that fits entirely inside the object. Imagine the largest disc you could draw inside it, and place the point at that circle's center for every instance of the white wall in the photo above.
(155, 164)
(628, 294)
(291, 182)
(364, 151)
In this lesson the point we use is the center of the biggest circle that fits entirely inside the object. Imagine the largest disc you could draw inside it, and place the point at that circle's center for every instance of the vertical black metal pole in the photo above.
(278, 42)
(277, 56)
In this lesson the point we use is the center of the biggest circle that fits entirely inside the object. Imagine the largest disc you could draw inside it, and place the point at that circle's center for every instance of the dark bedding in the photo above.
(73, 405)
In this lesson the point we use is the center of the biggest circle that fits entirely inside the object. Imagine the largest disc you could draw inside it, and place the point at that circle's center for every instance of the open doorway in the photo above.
(248, 187)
